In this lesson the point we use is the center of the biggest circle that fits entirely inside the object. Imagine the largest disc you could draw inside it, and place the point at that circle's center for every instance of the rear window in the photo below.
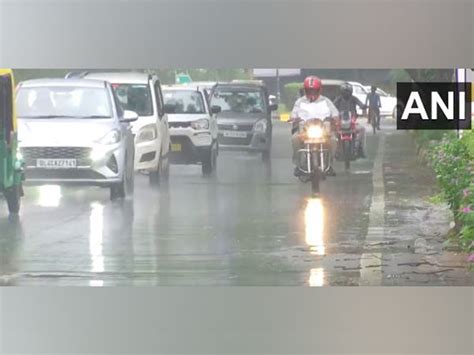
(239, 100)
(135, 97)
(331, 91)
(185, 102)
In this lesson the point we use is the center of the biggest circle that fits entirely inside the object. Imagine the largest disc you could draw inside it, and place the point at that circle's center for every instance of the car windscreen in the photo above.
(63, 101)
(184, 101)
(135, 97)
(239, 100)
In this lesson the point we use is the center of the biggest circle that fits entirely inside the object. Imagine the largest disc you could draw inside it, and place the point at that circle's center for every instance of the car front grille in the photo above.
(179, 124)
(81, 154)
(230, 127)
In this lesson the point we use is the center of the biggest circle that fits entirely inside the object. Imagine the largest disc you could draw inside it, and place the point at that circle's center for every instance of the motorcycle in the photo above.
(314, 158)
(347, 146)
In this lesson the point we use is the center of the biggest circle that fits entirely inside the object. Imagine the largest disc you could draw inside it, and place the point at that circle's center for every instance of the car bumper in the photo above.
(146, 155)
(254, 142)
(106, 168)
(189, 146)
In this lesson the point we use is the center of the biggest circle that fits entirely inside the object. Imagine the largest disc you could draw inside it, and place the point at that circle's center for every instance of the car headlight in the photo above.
(200, 124)
(261, 126)
(147, 133)
(315, 132)
(112, 137)
(98, 153)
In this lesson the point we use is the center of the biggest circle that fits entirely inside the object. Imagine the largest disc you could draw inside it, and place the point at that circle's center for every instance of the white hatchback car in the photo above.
(193, 127)
(75, 132)
(388, 102)
(141, 93)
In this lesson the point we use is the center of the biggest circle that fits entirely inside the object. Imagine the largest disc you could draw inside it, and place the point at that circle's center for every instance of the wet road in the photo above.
(250, 224)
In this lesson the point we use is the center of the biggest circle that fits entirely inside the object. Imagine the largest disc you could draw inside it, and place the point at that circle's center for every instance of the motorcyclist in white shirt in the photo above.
(312, 95)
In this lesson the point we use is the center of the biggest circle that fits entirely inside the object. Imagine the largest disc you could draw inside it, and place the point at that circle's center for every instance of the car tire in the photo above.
(209, 162)
(165, 167)
(13, 197)
(124, 188)
(155, 175)
(266, 156)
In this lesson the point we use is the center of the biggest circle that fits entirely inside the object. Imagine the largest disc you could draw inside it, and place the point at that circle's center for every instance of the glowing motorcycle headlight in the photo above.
(315, 132)
(260, 126)
(112, 137)
(200, 124)
(147, 133)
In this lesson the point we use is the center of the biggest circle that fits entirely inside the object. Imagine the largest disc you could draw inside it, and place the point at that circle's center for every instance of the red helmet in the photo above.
(312, 87)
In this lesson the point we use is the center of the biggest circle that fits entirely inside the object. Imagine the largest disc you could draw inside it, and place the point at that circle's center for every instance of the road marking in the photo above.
(376, 232)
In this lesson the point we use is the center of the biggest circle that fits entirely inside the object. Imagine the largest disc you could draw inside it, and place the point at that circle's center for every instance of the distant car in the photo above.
(193, 127)
(141, 92)
(331, 88)
(389, 103)
(359, 91)
(205, 86)
(244, 120)
(75, 131)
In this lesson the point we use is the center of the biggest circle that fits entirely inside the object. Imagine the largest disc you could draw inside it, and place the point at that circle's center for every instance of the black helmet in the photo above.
(346, 90)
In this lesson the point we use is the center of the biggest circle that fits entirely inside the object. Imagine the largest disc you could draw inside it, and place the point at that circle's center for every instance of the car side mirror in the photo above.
(129, 116)
(273, 107)
(169, 108)
(216, 109)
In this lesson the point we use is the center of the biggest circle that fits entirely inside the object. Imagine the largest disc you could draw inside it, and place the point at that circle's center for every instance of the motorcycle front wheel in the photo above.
(347, 152)
(315, 179)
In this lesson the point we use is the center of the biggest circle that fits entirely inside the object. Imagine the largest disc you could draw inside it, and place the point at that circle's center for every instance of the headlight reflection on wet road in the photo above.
(316, 277)
(49, 196)
(95, 241)
(314, 226)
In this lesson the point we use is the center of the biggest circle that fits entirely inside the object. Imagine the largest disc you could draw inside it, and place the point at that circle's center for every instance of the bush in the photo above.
(424, 137)
(453, 162)
(291, 94)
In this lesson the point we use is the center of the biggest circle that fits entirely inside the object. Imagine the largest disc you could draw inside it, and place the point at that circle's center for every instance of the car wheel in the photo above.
(130, 184)
(210, 161)
(155, 175)
(165, 168)
(13, 197)
(125, 187)
(266, 155)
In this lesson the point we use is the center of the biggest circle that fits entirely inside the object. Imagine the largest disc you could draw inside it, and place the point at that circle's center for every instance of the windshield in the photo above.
(61, 101)
(135, 97)
(185, 102)
(239, 100)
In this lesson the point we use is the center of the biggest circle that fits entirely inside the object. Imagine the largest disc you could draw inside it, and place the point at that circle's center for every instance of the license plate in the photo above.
(176, 147)
(235, 134)
(56, 163)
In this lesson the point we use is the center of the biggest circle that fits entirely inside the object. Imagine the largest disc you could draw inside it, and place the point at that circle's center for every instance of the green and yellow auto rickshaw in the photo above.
(11, 164)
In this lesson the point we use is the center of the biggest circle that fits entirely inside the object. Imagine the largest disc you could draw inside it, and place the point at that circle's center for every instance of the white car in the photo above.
(193, 127)
(388, 102)
(141, 93)
(359, 91)
(73, 131)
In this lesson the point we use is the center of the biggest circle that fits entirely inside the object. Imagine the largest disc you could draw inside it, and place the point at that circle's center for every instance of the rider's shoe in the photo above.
(297, 172)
